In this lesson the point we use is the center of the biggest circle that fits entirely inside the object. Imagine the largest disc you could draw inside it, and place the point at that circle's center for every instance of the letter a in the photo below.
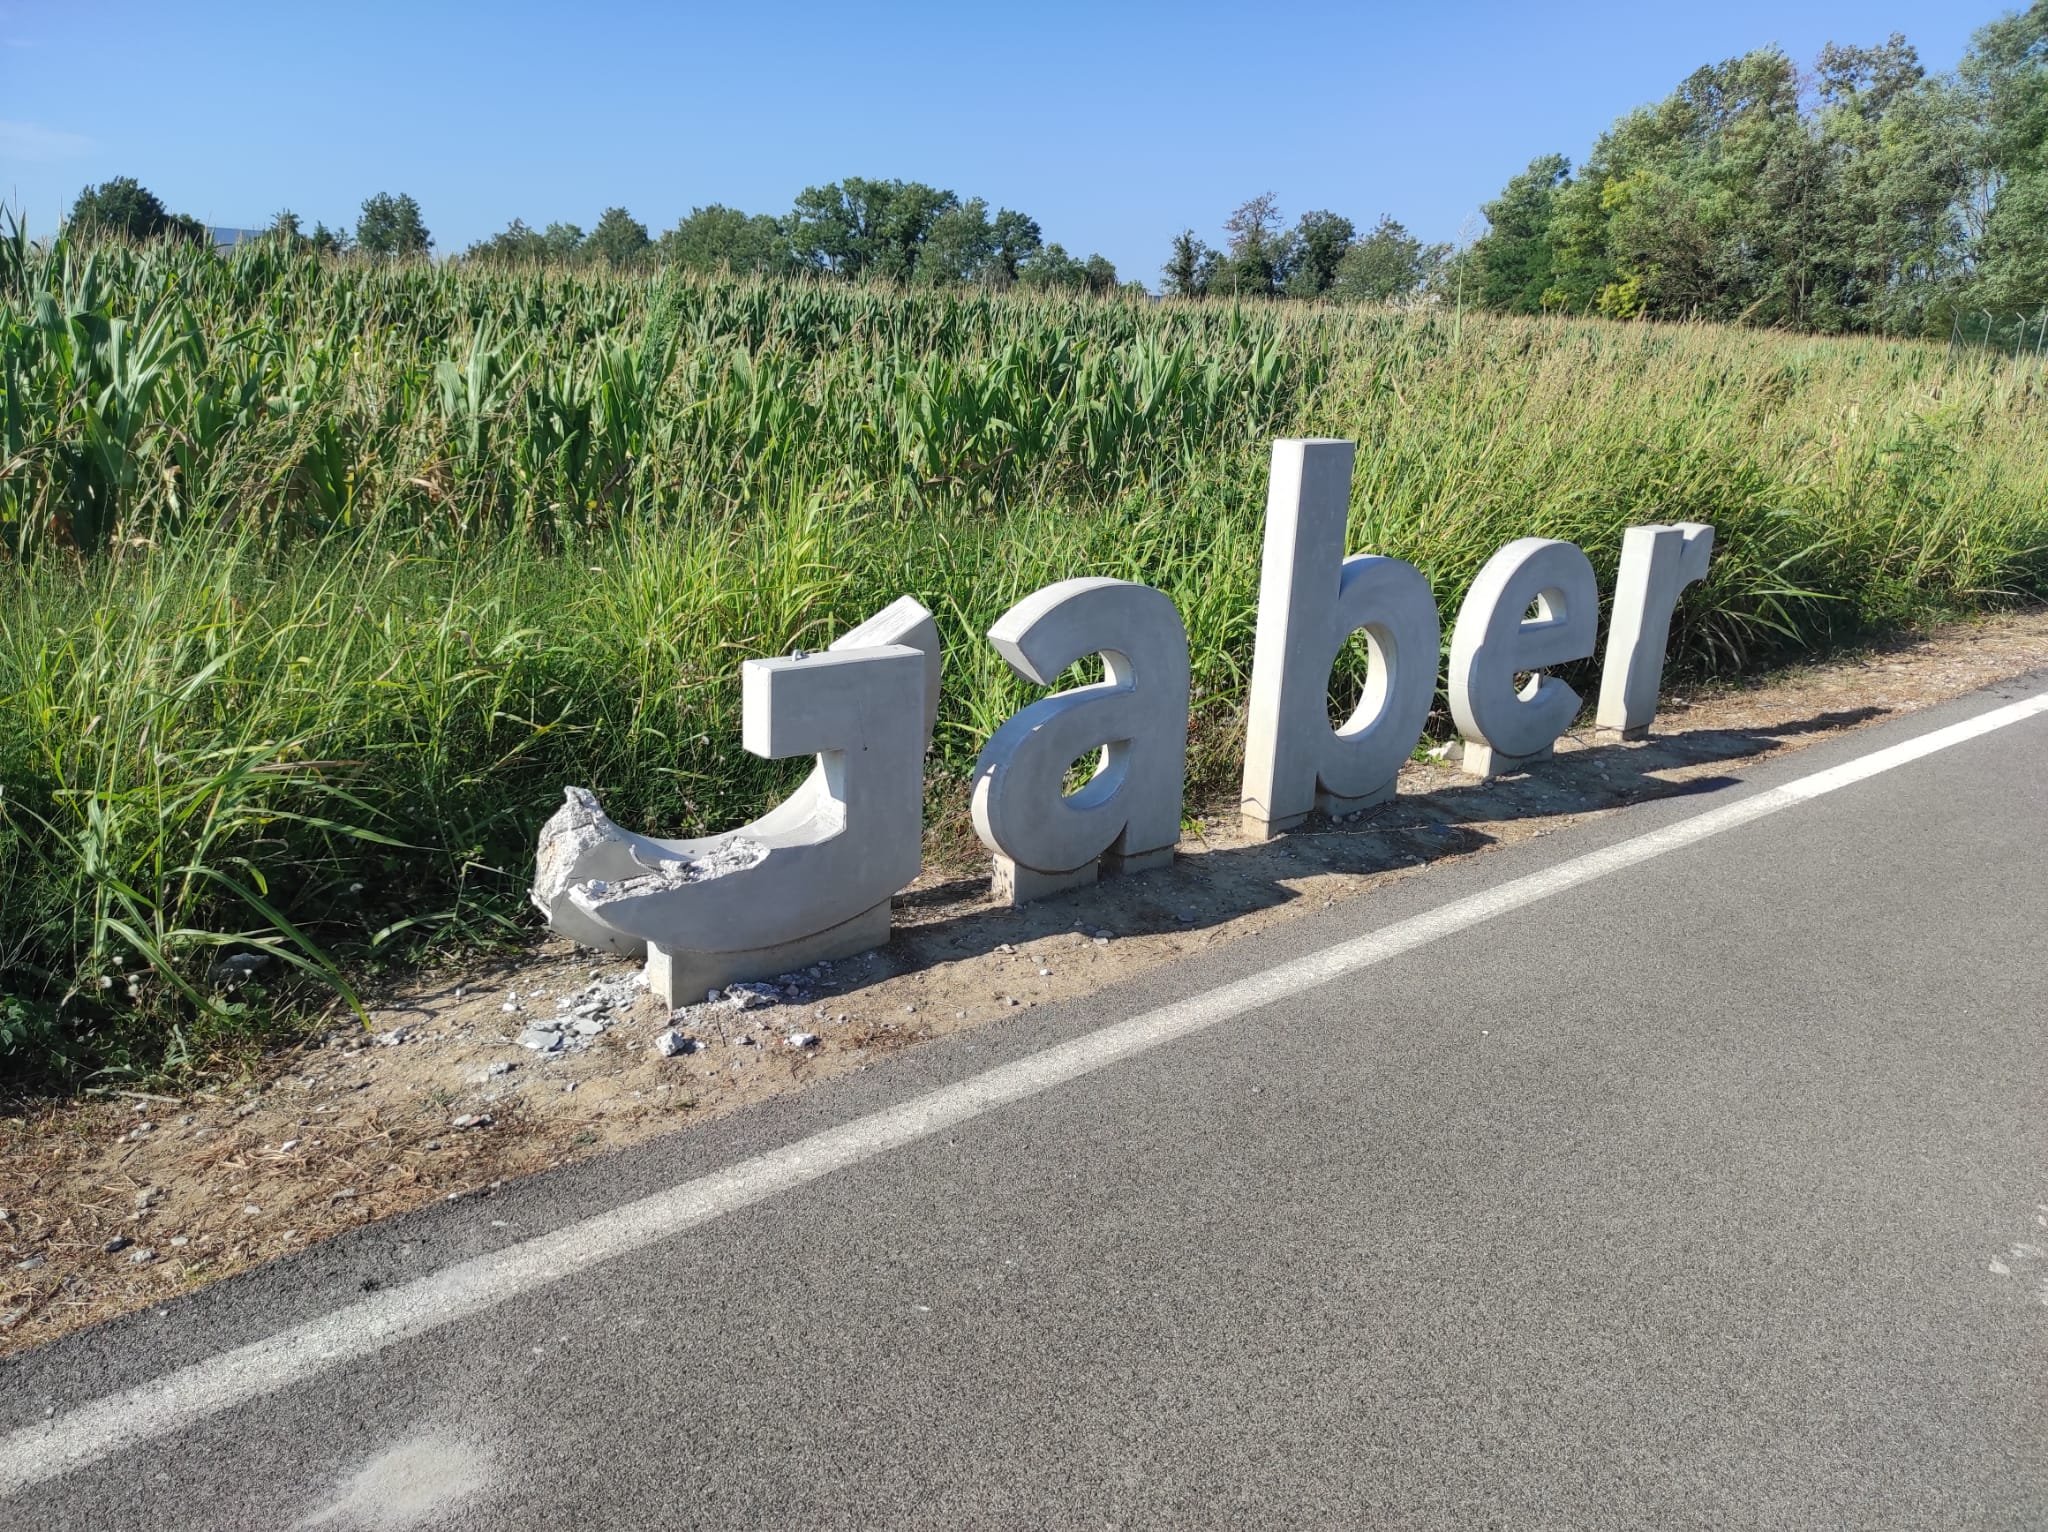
(1126, 818)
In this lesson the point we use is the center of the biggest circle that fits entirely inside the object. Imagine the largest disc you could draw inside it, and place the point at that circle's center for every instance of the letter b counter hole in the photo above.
(1357, 685)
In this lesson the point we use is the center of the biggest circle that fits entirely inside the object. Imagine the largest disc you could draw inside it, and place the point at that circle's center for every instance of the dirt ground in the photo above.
(110, 1205)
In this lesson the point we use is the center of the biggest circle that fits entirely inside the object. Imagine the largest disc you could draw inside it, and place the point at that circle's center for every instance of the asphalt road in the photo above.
(1708, 1192)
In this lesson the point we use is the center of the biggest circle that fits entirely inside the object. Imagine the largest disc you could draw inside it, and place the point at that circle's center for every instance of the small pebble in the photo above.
(141, 1257)
(288, 1146)
(473, 1120)
(179, 1241)
(803, 1039)
(117, 1244)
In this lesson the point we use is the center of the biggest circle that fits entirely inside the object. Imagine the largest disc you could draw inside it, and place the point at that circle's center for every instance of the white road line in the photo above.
(164, 1405)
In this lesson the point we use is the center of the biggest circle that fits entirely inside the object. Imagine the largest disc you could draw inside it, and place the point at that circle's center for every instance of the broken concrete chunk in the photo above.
(581, 848)
(807, 881)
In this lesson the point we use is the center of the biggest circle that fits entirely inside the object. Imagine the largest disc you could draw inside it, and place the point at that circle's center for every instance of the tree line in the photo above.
(893, 230)
(899, 231)
(388, 226)
(1322, 256)
(1864, 194)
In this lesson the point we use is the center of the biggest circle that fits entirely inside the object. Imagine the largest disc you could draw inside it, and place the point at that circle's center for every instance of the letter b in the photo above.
(1311, 600)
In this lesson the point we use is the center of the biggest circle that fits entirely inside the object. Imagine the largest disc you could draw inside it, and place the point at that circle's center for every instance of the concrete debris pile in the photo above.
(582, 1014)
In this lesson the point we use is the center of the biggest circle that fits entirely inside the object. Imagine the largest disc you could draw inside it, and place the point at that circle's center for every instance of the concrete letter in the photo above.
(1656, 564)
(1505, 729)
(1127, 817)
(1311, 600)
(810, 879)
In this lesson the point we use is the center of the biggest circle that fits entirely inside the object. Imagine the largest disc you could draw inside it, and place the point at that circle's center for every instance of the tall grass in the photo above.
(320, 581)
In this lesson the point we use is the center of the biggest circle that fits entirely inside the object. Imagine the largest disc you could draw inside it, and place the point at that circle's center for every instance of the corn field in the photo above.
(150, 391)
(319, 580)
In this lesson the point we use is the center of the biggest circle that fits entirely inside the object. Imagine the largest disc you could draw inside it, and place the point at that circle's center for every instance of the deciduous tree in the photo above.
(619, 240)
(392, 227)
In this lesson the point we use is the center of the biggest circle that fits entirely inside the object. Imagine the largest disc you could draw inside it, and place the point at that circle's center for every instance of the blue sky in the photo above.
(1114, 125)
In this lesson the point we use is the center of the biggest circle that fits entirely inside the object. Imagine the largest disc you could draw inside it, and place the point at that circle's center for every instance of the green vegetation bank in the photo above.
(320, 578)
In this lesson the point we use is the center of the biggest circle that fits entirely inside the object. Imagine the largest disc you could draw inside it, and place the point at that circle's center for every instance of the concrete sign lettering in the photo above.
(1126, 817)
(1311, 600)
(812, 878)
(1505, 728)
(1656, 564)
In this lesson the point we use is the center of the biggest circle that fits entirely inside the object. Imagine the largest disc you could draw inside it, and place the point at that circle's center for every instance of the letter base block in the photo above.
(1255, 826)
(1334, 805)
(1337, 806)
(1014, 884)
(1484, 761)
(683, 977)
